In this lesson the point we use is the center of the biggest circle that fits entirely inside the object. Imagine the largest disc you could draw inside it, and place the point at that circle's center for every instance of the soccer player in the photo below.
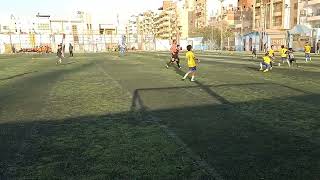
(266, 63)
(59, 54)
(63, 50)
(177, 59)
(291, 57)
(318, 47)
(284, 55)
(271, 55)
(191, 64)
(307, 51)
(174, 54)
(70, 50)
(122, 45)
(254, 53)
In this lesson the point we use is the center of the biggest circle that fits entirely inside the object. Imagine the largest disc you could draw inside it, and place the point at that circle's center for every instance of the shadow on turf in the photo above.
(266, 143)
(115, 146)
(18, 75)
(263, 139)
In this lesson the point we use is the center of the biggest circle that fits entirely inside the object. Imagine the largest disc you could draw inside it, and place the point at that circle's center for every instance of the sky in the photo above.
(102, 11)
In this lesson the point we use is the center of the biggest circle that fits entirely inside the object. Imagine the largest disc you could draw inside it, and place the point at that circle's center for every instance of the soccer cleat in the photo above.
(266, 70)
(260, 69)
(183, 79)
(167, 66)
(192, 80)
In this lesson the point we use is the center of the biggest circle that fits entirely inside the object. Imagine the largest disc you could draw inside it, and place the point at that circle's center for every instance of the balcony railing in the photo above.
(313, 2)
(314, 18)
(278, 13)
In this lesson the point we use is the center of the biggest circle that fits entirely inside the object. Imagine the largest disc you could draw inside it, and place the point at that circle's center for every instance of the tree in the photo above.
(211, 34)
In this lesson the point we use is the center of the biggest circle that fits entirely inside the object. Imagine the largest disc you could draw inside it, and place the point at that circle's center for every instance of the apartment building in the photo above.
(244, 17)
(310, 13)
(132, 31)
(174, 20)
(272, 19)
(201, 14)
(275, 14)
(169, 21)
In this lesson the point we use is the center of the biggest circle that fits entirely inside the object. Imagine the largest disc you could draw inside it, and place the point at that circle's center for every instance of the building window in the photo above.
(277, 21)
(303, 13)
(277, 8)
(43, 26)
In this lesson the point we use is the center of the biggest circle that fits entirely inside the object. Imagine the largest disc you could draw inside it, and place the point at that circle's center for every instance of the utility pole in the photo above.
(211, 21)
(241, 19)
(221, 19)
(177, 28)
(211, 36)
(11, 19)
(263, 27)
(265, 24)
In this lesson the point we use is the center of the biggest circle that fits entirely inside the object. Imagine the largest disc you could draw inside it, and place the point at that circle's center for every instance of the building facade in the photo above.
(273, 19)
(310, 13)
(244, 17)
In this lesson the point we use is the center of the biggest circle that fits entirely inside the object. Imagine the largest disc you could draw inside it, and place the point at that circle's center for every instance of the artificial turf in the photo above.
(100, 116)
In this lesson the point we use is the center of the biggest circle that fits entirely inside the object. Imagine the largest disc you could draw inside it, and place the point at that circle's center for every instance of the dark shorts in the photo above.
(174, 56)
(291, 60)
(283, 58)
(266, 65)
(193, 69)
(307, 55)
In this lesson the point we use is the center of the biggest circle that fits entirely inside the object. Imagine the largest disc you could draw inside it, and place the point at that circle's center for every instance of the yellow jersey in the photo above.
(283, 52)
(266, 59)
(191, 59)
(271, 52)
(307, 48)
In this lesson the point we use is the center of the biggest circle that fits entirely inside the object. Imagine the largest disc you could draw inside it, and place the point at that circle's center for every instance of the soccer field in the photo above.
(100, 116)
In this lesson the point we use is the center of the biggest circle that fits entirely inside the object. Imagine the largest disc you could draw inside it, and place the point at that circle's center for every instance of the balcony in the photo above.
(277, 13)
(314, 18)
(238, 26)
(313, 2)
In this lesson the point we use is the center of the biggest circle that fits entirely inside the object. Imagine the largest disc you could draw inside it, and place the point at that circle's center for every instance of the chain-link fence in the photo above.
(15, 43)
(81, 42)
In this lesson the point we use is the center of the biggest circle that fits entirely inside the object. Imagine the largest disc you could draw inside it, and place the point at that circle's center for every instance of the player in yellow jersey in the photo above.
(271, 55)
(266, 63)
(284, 55)
(307, 51)
(191, 64)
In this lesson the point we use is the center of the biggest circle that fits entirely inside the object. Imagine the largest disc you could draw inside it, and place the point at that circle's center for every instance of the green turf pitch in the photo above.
(100, 116)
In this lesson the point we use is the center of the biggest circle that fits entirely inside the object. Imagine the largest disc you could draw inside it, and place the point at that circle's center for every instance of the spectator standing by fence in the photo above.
(318, 47)
(70, 50)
